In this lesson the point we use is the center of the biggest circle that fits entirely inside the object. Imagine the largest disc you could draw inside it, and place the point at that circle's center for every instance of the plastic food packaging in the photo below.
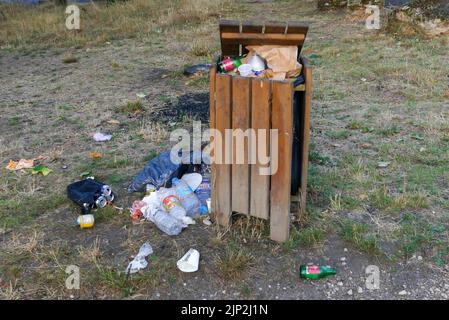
(139, 262)
(203, 193)
(188, 198)
(245, 70)
(171, 203)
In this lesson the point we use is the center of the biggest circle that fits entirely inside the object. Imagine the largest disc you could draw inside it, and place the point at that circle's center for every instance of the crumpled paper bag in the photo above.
(282, 60)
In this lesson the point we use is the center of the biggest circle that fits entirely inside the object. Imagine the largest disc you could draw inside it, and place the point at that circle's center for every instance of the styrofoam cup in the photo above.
(245, 70)
(189, 262)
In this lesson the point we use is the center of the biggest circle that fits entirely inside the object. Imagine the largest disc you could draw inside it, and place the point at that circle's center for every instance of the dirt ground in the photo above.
(377, 99)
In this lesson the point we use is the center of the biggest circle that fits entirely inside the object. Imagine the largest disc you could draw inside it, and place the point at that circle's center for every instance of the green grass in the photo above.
(14, 213)
(306, 237)
(360, 236)
(135, 106)
(233, 263)
(340, 134)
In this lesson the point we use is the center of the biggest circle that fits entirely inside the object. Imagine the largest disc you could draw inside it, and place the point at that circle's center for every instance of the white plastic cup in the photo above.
(257, 63)
(189, 262)
(208, 202)
(245, 70)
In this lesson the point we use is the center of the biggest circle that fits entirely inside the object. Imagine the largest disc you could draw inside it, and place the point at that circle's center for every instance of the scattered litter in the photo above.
(90, 194)
(203, 193)
(136, 210)
(96, 155)
(188, 198)
(170, 201)
(197, 69)
(112, 121)
(166, 222)
(45, 171)
(383, 164)
(22, 164)
(141, 95)
(207, 221)
(157, 172)
(193, 180)
(314, 271)
(85, 221)
(85, 174)
(139, 262)
(101, 137)
(189, 262)
(208, 203)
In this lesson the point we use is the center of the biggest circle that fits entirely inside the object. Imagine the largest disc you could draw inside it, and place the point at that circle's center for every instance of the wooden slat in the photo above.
(229, 48)
(222, 178)
(297, 27)
(263, 38)
(281, 119)
(305, 134)
(260, 119)
(212, 73)
(275, 27)
(252, 27)
(241, 94)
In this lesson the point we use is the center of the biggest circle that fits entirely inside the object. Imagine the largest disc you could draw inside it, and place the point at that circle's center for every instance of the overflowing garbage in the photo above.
(175, 193)
(265, 61)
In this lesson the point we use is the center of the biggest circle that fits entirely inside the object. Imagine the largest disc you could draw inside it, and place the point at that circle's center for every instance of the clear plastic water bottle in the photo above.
(167, 223)
(171, 203)
(203, 193)
(188, 198)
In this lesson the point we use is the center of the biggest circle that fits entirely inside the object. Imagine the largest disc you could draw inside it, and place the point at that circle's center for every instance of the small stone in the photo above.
(419, 258)
(402, 293)
(342, 259)
(343, 263)
(345, 249)
(359, 290)
(339, 283)
(350, 292)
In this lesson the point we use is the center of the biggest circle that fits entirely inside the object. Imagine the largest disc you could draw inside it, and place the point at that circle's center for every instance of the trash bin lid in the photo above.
(235, 35)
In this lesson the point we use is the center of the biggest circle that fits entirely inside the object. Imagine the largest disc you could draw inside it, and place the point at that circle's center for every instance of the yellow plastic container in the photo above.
(86, 221)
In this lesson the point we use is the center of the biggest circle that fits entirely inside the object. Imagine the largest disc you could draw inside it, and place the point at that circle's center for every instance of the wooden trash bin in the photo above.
(243, 102)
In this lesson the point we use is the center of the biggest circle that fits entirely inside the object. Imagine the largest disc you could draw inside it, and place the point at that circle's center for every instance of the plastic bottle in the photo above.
(188, 198)
(167, 223)
(203, 193)
(171, 203)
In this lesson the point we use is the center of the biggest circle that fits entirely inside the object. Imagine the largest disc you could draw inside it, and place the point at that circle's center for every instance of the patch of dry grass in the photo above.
(44, 26)
(234, 263)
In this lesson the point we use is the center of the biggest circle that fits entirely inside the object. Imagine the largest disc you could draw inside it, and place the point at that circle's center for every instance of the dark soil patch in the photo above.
(193, 105)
